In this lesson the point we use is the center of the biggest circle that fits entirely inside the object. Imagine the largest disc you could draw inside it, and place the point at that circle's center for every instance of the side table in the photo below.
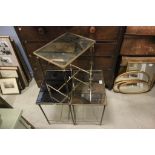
(61, 52)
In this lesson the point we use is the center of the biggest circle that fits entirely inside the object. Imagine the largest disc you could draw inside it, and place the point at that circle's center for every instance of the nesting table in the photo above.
(70, 85)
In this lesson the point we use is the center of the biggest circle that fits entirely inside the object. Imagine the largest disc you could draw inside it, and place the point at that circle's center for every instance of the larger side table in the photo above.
(61, 52)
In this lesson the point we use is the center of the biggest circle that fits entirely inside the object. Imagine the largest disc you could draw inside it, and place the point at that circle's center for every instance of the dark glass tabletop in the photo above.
(54, 78)
(65, 49)
(81, 95)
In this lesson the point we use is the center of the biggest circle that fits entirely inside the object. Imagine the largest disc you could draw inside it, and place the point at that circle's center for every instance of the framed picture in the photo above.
(9, 86)
(7, 53)
(147, 67)
(12, 72)
(9, 57)
(9, 73)
(4, 48)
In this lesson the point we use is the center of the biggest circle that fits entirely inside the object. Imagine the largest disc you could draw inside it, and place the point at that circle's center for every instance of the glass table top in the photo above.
(65, 49)
(55, 78)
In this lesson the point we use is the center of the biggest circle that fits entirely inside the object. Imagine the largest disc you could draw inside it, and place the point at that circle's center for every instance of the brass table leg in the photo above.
(44, 114)
(72, 114)
(102, 115)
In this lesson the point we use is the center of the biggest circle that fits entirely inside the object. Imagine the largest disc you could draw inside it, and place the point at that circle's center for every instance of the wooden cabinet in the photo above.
(107, 47)
(141, 30)
(110, 33)
(133, 45)
(139, 41)
(138, 45)
(39, 33)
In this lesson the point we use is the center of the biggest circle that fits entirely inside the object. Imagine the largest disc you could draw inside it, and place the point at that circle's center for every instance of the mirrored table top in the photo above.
(65, 49)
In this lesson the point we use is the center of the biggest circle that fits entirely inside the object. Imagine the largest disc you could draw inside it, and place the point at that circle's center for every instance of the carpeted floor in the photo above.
(122, 111)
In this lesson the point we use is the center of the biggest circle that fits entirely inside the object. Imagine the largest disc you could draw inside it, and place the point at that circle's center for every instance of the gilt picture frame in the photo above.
(9, 72)
(8, 56)
(9, 86)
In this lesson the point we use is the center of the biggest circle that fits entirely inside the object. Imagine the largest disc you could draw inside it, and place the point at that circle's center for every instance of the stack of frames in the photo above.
(138, 78)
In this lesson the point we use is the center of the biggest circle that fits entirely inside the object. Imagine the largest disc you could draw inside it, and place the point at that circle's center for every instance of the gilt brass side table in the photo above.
(62, 52)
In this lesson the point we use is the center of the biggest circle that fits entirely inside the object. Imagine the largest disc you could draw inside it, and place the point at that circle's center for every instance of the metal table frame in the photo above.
(65, 84)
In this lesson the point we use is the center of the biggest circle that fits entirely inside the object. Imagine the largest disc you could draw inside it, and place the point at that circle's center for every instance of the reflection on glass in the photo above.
(133, 75)
(148, 68)
(134, 87)
(82, 94)
(65, 49)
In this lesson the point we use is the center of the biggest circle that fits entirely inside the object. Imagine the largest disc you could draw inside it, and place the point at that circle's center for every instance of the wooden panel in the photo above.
(108, 78)
(141, 30)
(38, 81)
(126, 59)
(44, 33)
(103, 49)
(47, 66)
(39, 78)
(48, 33)
(100, 32)
(99, 62)
(83, 62)
(32, 46)
(105, 33)
(38, 73)
(40, 33)
(106, 49)
(103, 62)
(137, 46)
(80, 30)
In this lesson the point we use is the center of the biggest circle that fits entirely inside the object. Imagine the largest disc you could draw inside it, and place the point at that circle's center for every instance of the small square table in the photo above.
(62, 52)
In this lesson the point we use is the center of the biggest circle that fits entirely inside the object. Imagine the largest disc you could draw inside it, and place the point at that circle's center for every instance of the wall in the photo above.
(10, 31)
